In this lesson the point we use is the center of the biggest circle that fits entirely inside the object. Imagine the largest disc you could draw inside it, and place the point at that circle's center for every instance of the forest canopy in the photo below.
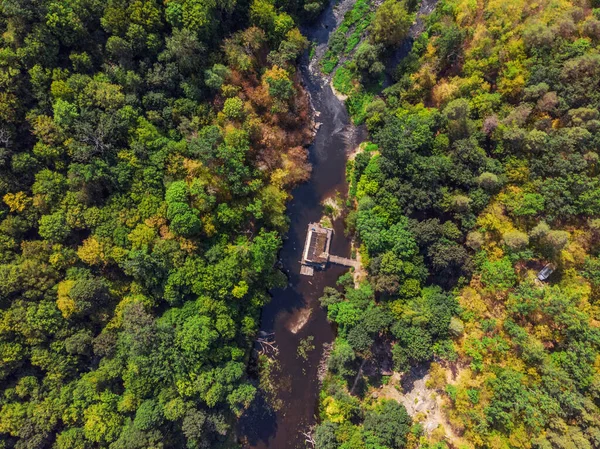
(147, 150)
(476, 208)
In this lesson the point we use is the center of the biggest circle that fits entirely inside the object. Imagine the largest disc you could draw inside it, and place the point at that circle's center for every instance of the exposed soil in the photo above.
(422, 403)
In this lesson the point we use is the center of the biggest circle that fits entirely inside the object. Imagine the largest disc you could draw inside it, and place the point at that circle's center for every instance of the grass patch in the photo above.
(329, 62)
(352, 41)
(359, 11)
(343, 81)
(371, 147)
(356, 20)
(351, 177)
(357, 106)
(357, 33)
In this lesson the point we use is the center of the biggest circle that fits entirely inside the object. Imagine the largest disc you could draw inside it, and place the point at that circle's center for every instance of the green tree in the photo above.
(498, 274)
(325, 436)
(391, 23)
(389, 423)
(148, 415)
(54, 228)
(216, 76)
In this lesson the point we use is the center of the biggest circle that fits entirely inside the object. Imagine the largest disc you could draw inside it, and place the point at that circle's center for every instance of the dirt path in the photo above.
(358, 375)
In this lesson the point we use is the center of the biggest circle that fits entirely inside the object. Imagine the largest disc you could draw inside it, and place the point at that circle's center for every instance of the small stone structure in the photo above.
(316, 250)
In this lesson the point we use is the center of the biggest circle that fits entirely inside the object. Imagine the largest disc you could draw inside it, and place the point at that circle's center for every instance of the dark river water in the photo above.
(294, 313)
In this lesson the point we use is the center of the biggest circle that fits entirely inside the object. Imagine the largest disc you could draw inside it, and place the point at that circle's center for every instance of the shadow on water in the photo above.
(294, 313)
(261, 424)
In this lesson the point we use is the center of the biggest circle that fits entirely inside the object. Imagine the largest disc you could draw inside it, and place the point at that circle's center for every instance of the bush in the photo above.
(233, 108)
(556, 240)
(389, 423)
(498, 274)
(516, 240)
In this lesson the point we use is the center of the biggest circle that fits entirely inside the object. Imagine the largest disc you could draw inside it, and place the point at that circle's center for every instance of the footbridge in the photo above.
(343, 261)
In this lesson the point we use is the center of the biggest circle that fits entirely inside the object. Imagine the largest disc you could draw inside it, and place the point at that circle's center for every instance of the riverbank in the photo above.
(294, 314)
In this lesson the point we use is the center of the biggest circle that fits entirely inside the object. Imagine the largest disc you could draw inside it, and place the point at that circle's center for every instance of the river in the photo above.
(294, 313)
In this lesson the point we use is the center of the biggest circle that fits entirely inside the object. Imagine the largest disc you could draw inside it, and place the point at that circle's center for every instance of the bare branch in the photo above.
(267, 344)
(308, 437)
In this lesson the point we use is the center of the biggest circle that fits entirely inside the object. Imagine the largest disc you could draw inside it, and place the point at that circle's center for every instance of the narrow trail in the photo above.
(358, 376)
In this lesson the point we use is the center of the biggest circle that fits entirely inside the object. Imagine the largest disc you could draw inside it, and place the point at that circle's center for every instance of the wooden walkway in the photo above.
(344, 261)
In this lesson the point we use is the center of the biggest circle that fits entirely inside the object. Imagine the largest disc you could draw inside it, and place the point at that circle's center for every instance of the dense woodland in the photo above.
(481, 170)
(147, 150)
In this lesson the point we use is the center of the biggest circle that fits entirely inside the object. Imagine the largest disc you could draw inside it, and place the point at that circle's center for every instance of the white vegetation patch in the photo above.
(333, 206)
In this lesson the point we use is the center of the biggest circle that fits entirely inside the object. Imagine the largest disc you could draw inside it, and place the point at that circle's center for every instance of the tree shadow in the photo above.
(411, 376)
(258, 423)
